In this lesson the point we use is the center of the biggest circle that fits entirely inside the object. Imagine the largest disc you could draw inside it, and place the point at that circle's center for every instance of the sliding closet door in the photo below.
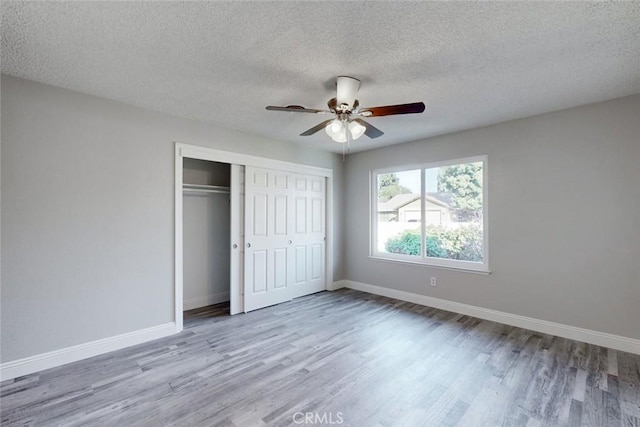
(308, 234)
(285, 228)
(237, 240)
(267, 242)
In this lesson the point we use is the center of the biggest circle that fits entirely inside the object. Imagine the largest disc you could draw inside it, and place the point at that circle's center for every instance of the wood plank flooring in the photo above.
(337, 358)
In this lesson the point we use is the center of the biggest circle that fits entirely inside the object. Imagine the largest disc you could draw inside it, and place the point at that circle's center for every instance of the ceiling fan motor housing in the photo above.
(347, 88)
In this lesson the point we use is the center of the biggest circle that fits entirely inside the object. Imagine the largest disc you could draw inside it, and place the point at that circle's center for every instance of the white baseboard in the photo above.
(603, 339)
(52, 359)
(190, 304)
(339, 284)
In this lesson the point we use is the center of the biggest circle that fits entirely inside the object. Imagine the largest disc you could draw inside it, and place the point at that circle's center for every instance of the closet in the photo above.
(206, 232)
(249, 230)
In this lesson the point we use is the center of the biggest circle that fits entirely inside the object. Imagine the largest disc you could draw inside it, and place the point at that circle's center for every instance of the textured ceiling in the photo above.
(472, 64)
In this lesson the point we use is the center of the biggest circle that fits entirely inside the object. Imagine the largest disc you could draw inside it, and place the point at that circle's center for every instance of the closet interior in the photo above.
(206, 232)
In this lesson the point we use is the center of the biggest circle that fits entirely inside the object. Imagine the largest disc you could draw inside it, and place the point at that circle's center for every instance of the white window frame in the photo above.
(470, 266)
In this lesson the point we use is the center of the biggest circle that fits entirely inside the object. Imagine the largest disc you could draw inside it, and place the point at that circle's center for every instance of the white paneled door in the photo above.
(308, 234)
(284, 236)
(237, 239)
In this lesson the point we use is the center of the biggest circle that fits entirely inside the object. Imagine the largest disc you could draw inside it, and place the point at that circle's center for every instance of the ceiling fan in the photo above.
(347, 123)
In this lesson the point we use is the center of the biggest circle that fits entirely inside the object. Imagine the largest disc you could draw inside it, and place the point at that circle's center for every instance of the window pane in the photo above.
(399, 213)
(453, 212)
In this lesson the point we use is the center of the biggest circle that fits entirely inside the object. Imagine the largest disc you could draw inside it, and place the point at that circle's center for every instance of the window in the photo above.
(434, 214)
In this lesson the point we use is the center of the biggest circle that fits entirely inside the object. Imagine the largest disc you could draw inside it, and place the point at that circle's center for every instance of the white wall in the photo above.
(87, 213)
(564, 217)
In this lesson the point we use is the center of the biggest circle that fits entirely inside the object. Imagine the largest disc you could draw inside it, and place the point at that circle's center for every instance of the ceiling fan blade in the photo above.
(296, 109)
(316, 128)
(371, 131)
(389, 110)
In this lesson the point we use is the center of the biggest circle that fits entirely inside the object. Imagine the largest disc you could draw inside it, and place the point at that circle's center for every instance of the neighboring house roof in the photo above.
(397, 201)
(446, 198)
(400, 200)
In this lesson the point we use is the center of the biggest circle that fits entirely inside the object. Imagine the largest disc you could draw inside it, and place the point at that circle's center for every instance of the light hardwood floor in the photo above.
(342, 356)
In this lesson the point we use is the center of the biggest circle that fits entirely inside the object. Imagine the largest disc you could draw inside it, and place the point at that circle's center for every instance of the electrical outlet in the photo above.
(434, 282)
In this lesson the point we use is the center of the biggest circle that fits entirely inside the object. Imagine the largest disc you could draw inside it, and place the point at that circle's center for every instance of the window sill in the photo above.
(424, 264)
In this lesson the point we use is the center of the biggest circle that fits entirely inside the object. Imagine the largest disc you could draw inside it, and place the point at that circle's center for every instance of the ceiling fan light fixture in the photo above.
(340, 137)
(356, 129)
(337, 131)
(335, 127)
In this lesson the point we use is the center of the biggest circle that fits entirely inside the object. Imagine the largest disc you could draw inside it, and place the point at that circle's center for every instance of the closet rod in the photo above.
(205, 188)
(200, 190)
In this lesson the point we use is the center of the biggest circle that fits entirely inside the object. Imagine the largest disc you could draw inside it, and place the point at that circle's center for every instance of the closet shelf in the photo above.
(197, 188)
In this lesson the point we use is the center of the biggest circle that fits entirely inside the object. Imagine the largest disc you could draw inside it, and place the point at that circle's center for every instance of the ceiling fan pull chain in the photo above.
(348, 132)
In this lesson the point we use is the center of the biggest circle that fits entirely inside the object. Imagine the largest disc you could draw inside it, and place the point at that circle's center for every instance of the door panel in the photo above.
(259, 284)
(316, 261)
(301, 184)
(309, 235)
(317, 216)
(280, 180)
(301, 214)
(300, 264)
(280, 268)
(260, 205)
(280, 216)
(259, 178)
(317, 184)
(267, 276)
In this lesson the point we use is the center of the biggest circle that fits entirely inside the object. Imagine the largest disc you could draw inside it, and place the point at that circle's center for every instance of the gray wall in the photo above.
(87, 213)
(564, 217)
